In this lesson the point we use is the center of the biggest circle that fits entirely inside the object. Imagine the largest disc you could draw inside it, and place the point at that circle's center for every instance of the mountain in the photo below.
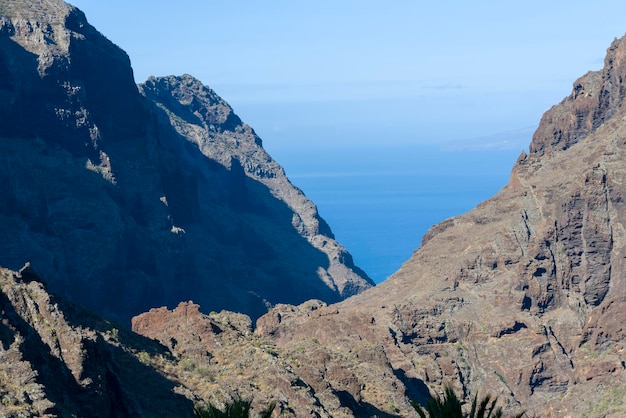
(128, 197)
(523, 297)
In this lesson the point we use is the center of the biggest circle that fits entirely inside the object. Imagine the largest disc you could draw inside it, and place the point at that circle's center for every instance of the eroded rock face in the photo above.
(522, 297)
(128, 198)
(596, 97)
(59, 360)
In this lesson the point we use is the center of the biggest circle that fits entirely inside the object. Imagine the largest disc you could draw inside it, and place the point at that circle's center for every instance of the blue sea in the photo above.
(381, 200)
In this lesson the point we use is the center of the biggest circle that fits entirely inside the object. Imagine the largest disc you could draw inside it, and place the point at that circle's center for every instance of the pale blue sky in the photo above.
(337, 86)
(420, 71)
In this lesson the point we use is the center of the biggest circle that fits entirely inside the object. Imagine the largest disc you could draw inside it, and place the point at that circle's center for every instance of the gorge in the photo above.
(156, 205)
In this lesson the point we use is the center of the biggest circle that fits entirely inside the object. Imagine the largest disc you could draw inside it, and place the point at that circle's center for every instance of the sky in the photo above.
(409, 71)
(338, 90)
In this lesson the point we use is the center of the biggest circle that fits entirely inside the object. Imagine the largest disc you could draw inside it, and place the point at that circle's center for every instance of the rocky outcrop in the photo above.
(219, 358)
(596, 97)
(56, 359)
(127, 198)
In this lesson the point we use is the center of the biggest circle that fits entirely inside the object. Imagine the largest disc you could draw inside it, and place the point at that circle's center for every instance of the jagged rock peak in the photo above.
(50, 53)
(39, 9)
(196, 98)
(45, 12)
(596, 97)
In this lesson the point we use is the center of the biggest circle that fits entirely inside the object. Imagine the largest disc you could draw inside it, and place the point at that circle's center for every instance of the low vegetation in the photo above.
(236, 409)
(450, 407)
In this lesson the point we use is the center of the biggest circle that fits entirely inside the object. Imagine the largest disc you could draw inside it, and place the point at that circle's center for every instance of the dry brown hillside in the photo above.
(524, 297)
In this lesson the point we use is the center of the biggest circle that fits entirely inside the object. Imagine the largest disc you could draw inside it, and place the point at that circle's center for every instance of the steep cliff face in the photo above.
(596, 97)
(202, 117)
(125, 200)
(523, 297)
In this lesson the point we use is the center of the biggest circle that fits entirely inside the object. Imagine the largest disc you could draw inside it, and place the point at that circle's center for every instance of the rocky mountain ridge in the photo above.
(522, 298)
(128, 197)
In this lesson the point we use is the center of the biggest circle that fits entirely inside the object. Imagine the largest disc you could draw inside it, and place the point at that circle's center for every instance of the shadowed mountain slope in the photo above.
(57, 359)
(126, 198)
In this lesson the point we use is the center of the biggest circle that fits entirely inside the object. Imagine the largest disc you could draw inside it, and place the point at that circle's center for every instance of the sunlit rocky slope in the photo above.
(524, 297)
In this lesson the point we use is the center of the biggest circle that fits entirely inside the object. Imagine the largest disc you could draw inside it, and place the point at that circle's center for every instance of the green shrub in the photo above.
(450, 407)
(144, 357)
(187, 364)
(236, 409)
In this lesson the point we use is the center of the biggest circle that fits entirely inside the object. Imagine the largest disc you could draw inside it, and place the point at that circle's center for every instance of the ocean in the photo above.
(380, 200)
